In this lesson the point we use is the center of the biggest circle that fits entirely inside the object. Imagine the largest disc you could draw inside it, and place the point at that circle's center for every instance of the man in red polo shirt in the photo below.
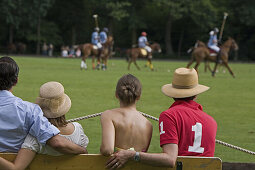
(185, 130)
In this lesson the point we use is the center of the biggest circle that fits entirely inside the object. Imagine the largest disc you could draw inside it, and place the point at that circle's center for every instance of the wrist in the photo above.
(132, 155)
(137, 157)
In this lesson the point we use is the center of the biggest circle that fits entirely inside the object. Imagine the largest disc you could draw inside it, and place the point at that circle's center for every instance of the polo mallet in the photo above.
(96, 21)
(222, 26)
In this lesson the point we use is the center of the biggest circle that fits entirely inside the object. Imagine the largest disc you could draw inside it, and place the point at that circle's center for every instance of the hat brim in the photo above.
(63, 109)
(170, 91)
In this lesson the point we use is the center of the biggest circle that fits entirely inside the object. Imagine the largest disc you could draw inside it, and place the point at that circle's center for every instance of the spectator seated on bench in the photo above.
(54, 104)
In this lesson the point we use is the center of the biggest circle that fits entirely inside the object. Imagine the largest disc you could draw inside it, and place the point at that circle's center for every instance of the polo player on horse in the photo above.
(143, 44)
(213, 42)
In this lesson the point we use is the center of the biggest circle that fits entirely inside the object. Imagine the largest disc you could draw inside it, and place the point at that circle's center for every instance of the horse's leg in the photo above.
(189, 64)
(93, 62)
(215, 68)
(129, 63)
(229, 69)
(98, 63)
(136, 65)
(196, 66)
(83, 63)
(206, 65)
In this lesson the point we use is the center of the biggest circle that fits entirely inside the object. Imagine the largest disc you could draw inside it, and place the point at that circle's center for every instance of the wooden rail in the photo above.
(97, 162)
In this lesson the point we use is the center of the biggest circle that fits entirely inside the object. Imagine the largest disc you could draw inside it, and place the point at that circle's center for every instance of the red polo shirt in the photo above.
(186, 125)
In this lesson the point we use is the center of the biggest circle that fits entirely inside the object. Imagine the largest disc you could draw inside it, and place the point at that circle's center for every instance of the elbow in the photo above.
(171, 163)
(56, 143)
(106, 151)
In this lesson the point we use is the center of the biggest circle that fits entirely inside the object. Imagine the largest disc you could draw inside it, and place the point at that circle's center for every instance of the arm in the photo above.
(150, 129)
(167, 158)
(22, 160)
(108, 135)
(65, 146)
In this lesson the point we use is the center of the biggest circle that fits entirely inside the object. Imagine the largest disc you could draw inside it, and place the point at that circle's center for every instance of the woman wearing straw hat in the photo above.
(185, 130)
(54, 104)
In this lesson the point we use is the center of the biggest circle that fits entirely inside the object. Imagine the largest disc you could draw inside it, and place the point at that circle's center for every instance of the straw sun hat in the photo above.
(52, 100)
(184, 84)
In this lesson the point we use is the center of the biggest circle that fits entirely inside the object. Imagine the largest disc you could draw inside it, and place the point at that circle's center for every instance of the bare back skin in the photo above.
(125, 128)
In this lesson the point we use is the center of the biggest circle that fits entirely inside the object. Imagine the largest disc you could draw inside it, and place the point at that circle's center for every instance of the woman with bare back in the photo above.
(125, 127)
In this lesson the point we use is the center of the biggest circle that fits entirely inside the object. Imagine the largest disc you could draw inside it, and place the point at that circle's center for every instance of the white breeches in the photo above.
(99, 45)
(215, 48)
(147, 48)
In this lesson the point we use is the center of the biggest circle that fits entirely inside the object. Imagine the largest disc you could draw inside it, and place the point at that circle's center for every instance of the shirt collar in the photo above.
(5, 93)
(188, 103)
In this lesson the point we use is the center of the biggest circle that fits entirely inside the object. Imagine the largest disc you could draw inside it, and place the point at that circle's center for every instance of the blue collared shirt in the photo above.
(94, 38)
(19, 118)
(212, 41)
(103, 37)
(142, 40)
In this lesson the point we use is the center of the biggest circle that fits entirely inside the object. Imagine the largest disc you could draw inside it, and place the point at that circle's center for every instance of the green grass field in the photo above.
(230, 101)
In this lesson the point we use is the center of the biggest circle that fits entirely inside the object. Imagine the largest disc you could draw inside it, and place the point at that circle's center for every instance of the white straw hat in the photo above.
(52, 100)
(184, 84)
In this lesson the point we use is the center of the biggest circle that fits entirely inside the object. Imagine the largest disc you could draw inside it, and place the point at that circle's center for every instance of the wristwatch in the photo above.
(137, 157)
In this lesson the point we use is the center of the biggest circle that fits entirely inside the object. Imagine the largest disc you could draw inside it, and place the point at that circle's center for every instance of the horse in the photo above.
(134, 53)
(191, 49)
(202, 53)
(89, 49)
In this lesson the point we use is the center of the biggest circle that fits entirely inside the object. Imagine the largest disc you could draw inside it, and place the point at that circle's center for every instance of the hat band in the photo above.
(51, 104)
(183, 87)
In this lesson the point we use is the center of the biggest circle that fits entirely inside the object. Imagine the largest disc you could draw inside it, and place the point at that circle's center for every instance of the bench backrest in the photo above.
(97, 162)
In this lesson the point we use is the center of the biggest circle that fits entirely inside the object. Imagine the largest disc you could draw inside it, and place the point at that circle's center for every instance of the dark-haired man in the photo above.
(185, 130)
(19, 118)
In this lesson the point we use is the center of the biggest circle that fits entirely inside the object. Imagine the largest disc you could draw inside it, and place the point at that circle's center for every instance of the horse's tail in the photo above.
(190, 50)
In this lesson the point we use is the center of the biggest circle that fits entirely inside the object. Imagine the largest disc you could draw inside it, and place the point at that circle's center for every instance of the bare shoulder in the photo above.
(108, 113)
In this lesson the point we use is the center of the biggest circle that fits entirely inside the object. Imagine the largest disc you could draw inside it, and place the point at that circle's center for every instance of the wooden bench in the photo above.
(97, 162)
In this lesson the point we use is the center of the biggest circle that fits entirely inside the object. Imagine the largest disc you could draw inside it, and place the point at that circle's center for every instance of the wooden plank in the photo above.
(96, 162)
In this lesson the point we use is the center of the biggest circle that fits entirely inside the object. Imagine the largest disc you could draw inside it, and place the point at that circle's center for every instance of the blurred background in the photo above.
(176, 24)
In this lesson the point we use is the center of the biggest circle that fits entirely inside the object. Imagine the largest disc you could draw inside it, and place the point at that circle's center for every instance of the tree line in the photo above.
(175, 24)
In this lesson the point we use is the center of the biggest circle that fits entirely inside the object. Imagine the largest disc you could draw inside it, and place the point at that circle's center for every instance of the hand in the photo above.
(119, 158)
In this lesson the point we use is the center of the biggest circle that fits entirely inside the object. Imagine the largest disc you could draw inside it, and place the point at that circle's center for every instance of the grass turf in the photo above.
(229, 101)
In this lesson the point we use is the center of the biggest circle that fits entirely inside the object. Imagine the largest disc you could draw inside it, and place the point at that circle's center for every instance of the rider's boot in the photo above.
(147, 64)
(151, 67)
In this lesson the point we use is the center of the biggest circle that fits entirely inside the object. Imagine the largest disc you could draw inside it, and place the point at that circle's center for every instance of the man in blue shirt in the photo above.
(95, 40)
(143, 43)
(213, 41)
(103, 36)
(19, 118)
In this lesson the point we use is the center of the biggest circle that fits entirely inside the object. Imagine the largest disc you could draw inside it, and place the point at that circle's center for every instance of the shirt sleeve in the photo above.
(167, 129)
(31, 143)
(84, 140)
(41, 128)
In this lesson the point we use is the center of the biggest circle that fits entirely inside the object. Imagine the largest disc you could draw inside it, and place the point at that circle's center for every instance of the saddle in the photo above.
(143, 52)
(95, 47)
(212, 52)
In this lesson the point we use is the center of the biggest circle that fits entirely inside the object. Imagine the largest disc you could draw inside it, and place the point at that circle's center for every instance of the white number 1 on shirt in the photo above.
(161, 128)
(197, 139)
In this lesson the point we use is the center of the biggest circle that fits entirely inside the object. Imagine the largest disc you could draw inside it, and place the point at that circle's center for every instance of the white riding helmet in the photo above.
(216, 30)
(211, 32)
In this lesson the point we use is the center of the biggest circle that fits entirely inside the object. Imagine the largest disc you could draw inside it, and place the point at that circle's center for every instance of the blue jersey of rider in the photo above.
(94, 39)
(103, 37)
(212, 40)
(142, 40)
